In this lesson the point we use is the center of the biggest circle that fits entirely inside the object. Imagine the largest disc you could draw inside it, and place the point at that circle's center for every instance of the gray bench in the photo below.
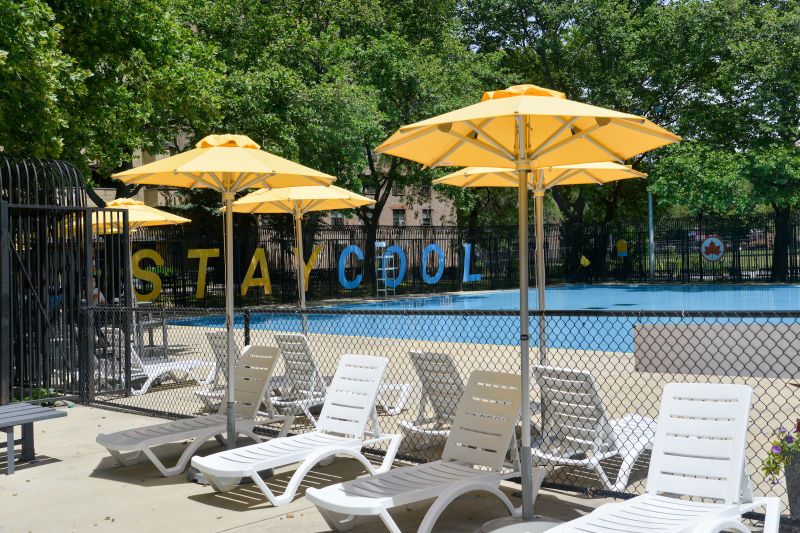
(23, 414)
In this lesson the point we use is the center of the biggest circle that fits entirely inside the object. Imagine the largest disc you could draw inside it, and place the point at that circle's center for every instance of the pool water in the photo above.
(604, 333)
(614, 298)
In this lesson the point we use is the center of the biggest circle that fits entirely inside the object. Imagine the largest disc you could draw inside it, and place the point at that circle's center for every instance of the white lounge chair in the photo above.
(472, 460)
(699, 452)
(577, 430)
(340, 431)
(252, 375)
(303, 385)
(153, 368)
(442, 387)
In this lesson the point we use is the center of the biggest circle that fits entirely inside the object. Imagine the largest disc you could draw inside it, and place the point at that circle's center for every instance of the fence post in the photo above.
(5, 307)
(85, 362)
(246, 316)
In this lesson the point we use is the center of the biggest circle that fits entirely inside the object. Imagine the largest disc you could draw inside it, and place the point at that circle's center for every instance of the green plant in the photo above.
(36, 394)
(785, 446)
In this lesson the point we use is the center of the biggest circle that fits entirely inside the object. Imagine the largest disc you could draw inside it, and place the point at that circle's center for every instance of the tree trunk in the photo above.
(780, 248)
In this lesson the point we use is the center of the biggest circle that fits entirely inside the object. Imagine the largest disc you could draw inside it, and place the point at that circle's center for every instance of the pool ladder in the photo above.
(385, 270)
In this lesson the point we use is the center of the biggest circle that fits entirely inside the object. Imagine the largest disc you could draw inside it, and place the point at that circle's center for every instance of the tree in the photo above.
(151, 80)
(38, 81)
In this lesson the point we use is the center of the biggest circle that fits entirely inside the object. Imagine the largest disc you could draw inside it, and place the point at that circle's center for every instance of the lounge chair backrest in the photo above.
(485, 418)
(699, 448)
(116, 340)
(253, 371)
(219, 347)
(350, 399)
(573, 411)
(300, 366)
(442, 385)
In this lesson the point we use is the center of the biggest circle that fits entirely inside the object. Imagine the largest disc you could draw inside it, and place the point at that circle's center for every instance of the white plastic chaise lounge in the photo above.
(253, 371)
(578, 431)
(303, 385)
(442, 387)
(340, 430)
(699, 452)
(472, 460)
(153, 368)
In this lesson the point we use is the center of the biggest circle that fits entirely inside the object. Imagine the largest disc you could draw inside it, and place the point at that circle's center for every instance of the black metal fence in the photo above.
(191, 272)
(629, 355)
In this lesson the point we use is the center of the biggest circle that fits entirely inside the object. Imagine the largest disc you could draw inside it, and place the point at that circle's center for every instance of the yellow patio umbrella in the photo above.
(298, 201)
(526, 128)
(228, 164)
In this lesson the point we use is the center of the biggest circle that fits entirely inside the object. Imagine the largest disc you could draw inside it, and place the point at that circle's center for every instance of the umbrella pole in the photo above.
(538, 196)
(228, 198)
(526, 466)
(301, 269)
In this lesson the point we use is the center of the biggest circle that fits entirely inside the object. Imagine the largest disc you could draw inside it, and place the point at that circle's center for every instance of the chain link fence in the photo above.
(593, 425)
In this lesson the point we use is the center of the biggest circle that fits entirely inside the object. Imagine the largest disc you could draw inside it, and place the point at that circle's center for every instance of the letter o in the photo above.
(431, 280)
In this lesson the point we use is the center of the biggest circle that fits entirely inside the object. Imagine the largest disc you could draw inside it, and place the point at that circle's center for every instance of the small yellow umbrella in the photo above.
(298, 201)
(228, 164)
(526, 128)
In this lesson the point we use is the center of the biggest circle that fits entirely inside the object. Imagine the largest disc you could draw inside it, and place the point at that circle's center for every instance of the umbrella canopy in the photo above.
(543, 178)
(226, 163)
(526, 128)
(552, 130)
(229, 164)
(139, 216)
(298, 201)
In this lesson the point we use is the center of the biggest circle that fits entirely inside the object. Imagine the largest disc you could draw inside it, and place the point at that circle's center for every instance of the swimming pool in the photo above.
(592, 331)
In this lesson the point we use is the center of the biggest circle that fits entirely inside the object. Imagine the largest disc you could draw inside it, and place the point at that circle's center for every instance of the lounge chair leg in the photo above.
(123, 460)
(334, 522)
(446, 498)
(222, 484)
(597, 467)
(390, 523)
(772, 515)
(625, 469)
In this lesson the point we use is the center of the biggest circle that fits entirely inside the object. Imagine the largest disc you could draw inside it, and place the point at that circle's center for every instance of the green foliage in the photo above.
(784, 449)
(37, 394)
(704, 179)
(38, 80)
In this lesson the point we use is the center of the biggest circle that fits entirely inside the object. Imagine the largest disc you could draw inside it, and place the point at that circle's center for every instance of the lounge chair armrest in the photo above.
(394, 445)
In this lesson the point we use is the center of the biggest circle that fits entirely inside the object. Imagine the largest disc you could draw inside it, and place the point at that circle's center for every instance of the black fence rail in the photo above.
(184, 267)
(626, 358)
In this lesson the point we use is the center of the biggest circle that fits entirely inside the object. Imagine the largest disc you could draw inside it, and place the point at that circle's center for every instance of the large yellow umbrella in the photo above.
(298, 201)
(228, 164)
(526, 128)
(580, 174)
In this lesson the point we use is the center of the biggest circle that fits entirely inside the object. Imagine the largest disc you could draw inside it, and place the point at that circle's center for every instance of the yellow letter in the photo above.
(259, 259)
(311, 262)
(202, 254)
(146, 275)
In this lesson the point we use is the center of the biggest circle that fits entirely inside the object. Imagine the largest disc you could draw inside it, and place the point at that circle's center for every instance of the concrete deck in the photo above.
(75, 486)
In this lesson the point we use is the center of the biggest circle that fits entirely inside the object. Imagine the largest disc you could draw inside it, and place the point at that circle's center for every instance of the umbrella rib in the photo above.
(259, 178)
(492, 140)
(546, 150)
(257, 207)
(604, 148)
(506, 176)
(217, 181)
(447, 154)
(236, 185)
(313, 204)
(478, 144)
(566, 124)
(562, 178)
(470, 181)
(413, 136)
(137, 179)
(641, 129)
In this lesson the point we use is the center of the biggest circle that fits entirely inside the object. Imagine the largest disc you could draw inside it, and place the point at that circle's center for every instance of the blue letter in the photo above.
(394, 249)
(467, 275)
(352, 249)
(430, 280)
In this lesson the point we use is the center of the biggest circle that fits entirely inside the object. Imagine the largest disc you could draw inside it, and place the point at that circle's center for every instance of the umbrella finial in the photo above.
(522, 90)
(235, 141)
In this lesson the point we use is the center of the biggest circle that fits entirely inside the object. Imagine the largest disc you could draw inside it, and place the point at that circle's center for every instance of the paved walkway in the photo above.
(75, 487)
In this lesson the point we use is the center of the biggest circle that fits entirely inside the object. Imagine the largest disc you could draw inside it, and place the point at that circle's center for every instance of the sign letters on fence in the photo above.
(258, 272)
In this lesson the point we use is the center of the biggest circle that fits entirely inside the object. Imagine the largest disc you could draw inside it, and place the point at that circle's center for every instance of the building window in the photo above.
(399, 217)
(398, 190)
(368, 190)
(337, 218)
(426, 217)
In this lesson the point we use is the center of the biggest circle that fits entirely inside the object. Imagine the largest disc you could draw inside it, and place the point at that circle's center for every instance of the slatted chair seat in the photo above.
(698, 452)
(473, 460)
(340, 430)
(253, 371)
